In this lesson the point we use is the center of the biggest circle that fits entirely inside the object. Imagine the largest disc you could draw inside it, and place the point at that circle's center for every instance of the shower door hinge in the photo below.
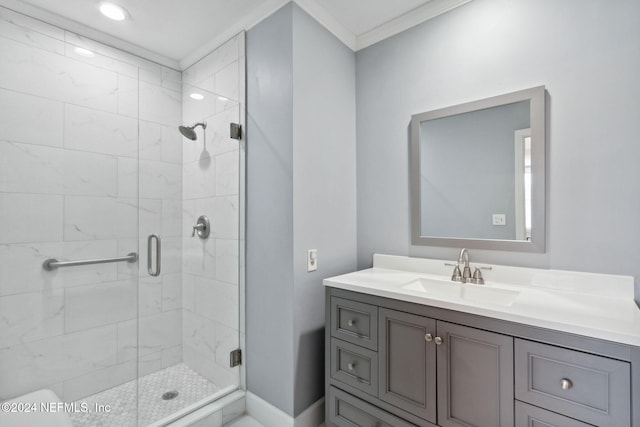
(235, 130)
(236, 358)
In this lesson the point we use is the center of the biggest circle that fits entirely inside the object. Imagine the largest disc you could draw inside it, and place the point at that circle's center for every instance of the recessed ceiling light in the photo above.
(84, 52)
(222, 98)
(113, 11)
(197, 96)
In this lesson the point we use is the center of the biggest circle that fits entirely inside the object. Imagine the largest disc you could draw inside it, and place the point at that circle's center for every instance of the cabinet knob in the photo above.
(566, 384)
(438, 340)
(351, 322)
(351, 366)
(428, 337)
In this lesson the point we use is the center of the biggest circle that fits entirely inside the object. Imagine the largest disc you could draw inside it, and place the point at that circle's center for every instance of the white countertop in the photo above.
(594, 305)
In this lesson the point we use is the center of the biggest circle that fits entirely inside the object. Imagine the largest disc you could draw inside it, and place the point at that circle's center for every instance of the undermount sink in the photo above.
(468, 292)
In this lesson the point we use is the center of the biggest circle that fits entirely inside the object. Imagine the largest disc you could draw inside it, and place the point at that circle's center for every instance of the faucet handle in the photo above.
(477, 277)
(457, 275)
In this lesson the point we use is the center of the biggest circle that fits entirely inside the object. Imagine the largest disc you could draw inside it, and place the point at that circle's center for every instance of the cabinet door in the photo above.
(475, 377)
(407, 363)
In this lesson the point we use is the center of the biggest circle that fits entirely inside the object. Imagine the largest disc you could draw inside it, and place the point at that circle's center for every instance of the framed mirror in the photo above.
(477, 174)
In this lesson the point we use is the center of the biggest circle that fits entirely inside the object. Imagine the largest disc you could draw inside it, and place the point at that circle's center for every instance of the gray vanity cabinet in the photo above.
(465, 372)
(407, 368)
(393, 363)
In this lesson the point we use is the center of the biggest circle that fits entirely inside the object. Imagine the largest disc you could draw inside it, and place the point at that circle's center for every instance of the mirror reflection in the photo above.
(472, 172)
(477, 173)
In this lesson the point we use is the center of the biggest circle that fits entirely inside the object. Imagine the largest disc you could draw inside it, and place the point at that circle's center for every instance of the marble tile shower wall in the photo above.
(211, 187)
(69, 141)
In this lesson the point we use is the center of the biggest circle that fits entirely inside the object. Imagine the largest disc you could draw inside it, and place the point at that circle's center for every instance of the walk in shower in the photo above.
(121, 240)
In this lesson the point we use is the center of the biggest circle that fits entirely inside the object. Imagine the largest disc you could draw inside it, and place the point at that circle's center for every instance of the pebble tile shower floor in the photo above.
(190, 386)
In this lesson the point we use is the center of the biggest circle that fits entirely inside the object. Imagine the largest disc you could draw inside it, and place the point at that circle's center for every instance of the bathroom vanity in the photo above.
(406, 346)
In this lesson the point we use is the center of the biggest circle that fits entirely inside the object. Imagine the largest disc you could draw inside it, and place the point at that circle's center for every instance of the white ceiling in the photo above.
(177, 33)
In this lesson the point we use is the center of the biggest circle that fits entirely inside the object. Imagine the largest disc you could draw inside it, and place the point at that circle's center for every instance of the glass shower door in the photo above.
(189, 313)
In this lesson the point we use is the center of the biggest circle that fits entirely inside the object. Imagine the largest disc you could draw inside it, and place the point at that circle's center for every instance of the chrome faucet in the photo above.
(465, 276)
(466, 271)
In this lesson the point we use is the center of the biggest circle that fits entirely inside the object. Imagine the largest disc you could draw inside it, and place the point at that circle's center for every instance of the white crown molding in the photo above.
(266, 9)
(88, 32)
(327, 20)
(406, 21)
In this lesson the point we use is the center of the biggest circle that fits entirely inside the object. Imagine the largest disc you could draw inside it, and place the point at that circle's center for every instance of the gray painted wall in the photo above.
(587, 55)
(467, 165)
(324, 187)
(269, 269)
(301, 194)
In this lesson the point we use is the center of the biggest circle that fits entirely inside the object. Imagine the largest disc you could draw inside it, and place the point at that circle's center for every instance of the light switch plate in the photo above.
(312, 260)
(499, 219)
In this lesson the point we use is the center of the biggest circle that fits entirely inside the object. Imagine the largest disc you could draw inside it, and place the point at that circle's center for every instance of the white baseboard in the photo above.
(270, 416)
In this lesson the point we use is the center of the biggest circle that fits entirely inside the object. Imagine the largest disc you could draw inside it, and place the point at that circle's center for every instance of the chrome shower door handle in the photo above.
(150, 240)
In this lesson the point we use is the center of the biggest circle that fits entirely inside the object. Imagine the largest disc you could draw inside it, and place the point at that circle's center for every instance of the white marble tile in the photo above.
(31, 23)
(226, 81)
(171, 291)
(149, 363)
(188, 292)
(21, 112)
(160, 331)
(27, 168)
(127, 177)
(217, 301)
(150, 217)
(199, 333)
(227, 260)
(225, 216)
(99, 380)
(160, 180)
(86, 274)
(39, 72)
(128, 96)
(28, 218)
(91, 130)
(36, 364)
(171, 356)
(159, 104)
(97, 305)
(233, 410)
(171, 255)
(227, 174)
(90, 174)
(150, 140)
(21, 267)
(170, 78)
(172, 218)
(127, 341)
(245, 421)
(32, 316)
(227, 340)
(150, 295)
(202, 364)
(30, 37)
(198, 179)
(89, 218)
(99, 60)
(199, 256)
(216, 60)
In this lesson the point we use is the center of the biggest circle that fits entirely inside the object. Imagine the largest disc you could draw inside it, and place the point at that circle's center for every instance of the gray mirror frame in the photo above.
(536, 95)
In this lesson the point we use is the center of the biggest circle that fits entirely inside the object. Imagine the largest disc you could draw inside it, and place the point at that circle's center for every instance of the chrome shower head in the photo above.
(189, 132)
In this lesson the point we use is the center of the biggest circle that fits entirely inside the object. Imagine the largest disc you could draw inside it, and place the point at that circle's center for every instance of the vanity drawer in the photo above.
(590, 388)
(354, 322)
(532, 416)
(348, 411)
(355, 366)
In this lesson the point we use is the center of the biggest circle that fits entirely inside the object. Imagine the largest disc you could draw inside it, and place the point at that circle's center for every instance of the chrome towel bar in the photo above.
(52, 263)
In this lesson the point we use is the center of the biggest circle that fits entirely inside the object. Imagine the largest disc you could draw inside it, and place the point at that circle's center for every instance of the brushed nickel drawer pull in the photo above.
(351, 322)
(351, 366)
(438, 340)
(428, 337)
(566, 384)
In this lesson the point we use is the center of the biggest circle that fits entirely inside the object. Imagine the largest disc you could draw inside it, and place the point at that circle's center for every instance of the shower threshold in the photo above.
(192, 389)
